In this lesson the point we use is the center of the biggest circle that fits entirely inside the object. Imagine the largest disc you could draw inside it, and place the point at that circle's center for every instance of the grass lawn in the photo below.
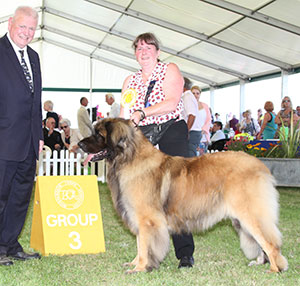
(218, 258)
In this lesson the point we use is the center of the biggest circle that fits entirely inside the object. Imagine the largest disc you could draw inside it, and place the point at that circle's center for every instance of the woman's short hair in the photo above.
(269, 106)
(49, 104)
(148, 38)
(66, 121)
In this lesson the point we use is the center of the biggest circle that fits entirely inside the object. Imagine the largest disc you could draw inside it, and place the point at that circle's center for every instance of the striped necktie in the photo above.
(26, 71)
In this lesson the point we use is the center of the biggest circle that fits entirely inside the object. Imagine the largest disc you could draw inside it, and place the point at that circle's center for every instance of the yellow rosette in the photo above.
(128, 99)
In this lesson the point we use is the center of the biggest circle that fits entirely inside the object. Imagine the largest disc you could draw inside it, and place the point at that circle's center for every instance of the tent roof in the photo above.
(214, 42)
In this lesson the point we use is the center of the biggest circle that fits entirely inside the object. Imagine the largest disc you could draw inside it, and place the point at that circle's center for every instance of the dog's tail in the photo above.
(159, 246)
(257, 226)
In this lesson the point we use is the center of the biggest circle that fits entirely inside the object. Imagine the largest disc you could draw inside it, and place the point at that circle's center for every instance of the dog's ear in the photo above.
(114, 134)
(109, 130)
(122, 142)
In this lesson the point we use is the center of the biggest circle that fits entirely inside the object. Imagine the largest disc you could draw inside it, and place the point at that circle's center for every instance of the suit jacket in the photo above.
(20, 109)
(84, 123)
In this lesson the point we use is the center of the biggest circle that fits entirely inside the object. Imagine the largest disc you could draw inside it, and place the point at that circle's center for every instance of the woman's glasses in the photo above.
(64, 127)
(285, 101)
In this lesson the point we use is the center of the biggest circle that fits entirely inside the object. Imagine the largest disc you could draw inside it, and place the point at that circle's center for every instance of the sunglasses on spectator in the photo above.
(64, 127)
(286, 100)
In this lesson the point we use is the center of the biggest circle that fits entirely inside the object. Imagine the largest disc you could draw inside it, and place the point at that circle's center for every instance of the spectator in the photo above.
(52, 138)
(205, 116)
(84, 123)
(115, 107)
(217, 117)
(250, 125)
(192, 117)
(285, 116)
(298, 110)
(260, 116)
(269, 127)
(70, 136)
(233, 122)
(217, 133)
(48, 106)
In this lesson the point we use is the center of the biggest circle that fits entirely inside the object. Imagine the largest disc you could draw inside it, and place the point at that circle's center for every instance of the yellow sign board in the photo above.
(67, 216)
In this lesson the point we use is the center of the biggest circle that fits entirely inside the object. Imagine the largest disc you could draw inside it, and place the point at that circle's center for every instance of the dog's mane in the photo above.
(124, 138)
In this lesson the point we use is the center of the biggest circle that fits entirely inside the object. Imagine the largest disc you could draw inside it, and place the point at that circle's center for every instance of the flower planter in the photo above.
(286, 171)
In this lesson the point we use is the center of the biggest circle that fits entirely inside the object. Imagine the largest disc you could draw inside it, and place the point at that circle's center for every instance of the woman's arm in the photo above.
(295, 119)
(172, 88)
(267, 117)
(124, 87)
(206, 126)
(278, 118)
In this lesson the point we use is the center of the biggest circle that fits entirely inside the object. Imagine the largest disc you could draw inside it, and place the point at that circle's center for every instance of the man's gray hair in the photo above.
(26, 10)
(187, 83)
(49, 118)
(110, 95)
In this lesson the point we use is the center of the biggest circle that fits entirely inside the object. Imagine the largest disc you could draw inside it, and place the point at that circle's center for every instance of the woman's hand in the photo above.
(137, 116)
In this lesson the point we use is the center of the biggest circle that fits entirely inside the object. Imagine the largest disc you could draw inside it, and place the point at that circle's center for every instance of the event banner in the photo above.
(67, 216)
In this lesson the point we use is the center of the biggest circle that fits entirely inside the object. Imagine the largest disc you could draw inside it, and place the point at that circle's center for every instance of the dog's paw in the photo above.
(128, 272)
(262, 258)
(128, 264)
(136, 270)
(252, 263)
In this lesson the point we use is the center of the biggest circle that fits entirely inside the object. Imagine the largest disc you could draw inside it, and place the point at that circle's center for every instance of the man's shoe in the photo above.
(21, 255)
(186, 261)
(4, 260)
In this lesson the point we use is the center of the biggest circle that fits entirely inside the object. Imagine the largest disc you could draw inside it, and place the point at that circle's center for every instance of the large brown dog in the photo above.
(156, 194)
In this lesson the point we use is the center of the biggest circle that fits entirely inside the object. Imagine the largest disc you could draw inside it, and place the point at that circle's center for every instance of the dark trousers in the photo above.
(175, 143)
(16, 183)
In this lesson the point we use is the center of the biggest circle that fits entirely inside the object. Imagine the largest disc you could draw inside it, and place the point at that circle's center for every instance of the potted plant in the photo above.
(283, 158)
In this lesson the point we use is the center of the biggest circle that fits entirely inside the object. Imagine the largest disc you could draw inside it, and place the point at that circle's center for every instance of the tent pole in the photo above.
(242, 98)
(284, 83)
(91, 89)
(212, 99)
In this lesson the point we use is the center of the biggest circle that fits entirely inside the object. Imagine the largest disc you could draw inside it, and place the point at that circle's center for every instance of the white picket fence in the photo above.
(64, 163)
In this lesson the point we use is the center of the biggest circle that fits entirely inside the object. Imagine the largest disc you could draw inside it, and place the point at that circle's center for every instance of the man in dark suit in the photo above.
(52, 138)
(21, 137)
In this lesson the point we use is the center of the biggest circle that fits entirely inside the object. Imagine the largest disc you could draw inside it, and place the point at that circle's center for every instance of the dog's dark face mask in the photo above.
(96, 146)
(108, 142)
(114, 139)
